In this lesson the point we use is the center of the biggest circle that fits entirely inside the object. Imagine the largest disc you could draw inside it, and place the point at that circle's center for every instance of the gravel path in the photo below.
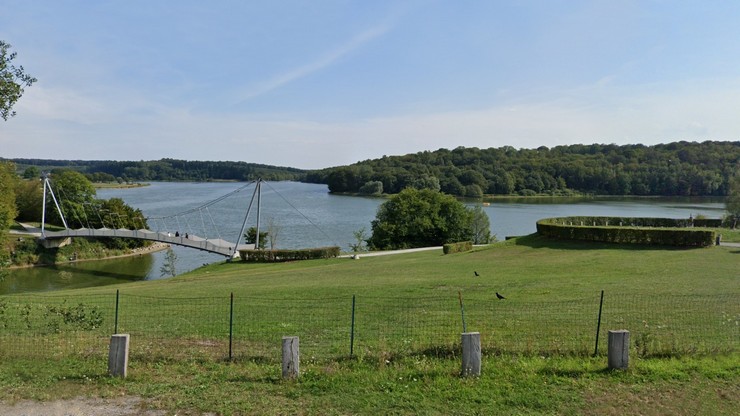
(122, 406)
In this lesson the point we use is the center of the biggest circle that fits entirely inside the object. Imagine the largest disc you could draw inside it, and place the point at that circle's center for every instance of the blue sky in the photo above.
(313, 84)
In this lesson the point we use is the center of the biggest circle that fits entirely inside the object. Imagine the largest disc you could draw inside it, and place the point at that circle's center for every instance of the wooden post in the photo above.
(290, 357)
(118, 355)
(619, 349)
(471, 354)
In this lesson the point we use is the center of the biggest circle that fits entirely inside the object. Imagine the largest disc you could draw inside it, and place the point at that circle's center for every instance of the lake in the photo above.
(305, 215)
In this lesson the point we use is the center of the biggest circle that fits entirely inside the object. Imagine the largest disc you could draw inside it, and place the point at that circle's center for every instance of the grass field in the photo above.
(537, 343)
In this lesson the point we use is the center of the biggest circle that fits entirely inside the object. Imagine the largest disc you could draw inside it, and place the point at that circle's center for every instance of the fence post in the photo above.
(231, 326)
(115, 326)
(462, 311)
(291, 361)
(471, 354)
(619, 349)
(352, 330)
(118, 355)
(598, 324)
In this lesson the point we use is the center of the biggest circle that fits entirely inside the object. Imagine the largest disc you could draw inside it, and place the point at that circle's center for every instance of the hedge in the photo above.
(266, 256)
(457, 247)
(625, 230)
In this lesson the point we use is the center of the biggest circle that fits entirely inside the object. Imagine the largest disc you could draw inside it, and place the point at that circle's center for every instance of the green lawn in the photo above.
(680, 306)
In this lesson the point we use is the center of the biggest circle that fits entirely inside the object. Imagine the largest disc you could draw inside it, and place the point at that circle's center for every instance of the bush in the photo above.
(457, 247)
(269, 256)
(653, 231)
(419, 218)
(372, 188)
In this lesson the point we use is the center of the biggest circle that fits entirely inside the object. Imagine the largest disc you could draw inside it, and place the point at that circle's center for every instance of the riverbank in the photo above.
(107, 254)
(116, 185)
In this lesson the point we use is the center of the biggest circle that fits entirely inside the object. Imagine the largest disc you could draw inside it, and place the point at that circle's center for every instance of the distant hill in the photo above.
(166, 170)
(673, 169)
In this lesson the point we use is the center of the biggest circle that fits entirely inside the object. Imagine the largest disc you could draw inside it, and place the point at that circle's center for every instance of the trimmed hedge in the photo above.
(268, 256)
(457, 247)
(625, 230)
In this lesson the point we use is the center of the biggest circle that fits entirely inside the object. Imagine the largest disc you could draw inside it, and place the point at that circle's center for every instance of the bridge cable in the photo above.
(214, 223)
(203, 223)
(74, 211)
(303, 215)
(190, 229)
(209, 203)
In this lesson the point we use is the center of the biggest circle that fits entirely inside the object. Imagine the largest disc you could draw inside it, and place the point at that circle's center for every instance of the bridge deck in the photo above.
(217, 246)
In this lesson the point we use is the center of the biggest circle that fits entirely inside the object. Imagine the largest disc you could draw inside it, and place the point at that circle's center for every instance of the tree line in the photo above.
(673, 169)
(165, 170)
(22, 200)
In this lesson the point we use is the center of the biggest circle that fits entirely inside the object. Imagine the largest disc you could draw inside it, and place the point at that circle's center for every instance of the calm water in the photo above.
(305, 215)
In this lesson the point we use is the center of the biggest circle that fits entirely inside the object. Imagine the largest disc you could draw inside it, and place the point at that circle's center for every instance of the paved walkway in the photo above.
(389, 252)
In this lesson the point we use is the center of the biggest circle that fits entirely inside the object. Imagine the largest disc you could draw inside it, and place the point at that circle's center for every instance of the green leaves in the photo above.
(419, 218)
(12, 80)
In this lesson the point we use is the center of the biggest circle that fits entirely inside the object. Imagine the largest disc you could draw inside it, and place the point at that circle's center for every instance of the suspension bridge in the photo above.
(187, 239)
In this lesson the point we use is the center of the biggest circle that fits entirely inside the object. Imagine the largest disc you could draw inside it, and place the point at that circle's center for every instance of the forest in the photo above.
(673, 169)
(165, 170)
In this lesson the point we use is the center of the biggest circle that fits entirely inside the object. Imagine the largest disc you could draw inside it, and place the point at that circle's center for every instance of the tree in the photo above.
(31, 172)
(360, 243)
(273, 232)
(7, 210)
(480, 226)
(74, 191)
(732, 204)
(426, 182)
(29, 196)
(168, 267)
(372, 188)
(251, 237)
(12, 81)
(419, 218)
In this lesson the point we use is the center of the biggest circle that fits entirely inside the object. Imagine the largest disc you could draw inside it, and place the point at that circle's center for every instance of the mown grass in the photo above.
(537, 276)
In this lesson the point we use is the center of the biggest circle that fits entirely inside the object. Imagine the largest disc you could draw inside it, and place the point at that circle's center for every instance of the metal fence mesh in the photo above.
(219, 328)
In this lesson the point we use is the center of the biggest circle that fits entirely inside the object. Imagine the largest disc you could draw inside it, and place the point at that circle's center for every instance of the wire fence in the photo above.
(250, 328)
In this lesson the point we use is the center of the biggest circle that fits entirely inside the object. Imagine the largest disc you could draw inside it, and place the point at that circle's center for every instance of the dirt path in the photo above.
(122, 406)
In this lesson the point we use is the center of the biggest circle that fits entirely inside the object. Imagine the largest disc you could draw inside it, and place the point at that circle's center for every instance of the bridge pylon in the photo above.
(47, 187)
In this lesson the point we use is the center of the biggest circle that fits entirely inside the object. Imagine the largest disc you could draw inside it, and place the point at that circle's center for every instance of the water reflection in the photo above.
(77, 275)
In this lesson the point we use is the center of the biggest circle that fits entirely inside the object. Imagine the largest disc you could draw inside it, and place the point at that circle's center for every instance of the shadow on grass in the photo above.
(537, 241)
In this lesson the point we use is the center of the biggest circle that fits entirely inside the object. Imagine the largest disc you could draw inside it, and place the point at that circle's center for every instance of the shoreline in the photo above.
(136, 252)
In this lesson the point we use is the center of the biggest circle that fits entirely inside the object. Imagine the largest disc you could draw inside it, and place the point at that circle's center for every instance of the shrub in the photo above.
(457, 247)
(653, 231)
(372, 188)
(269, 256)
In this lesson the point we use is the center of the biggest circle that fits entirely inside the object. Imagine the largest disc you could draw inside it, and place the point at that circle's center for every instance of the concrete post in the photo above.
(118, 355)
(619, 349)
(291, 359)
(471, 354)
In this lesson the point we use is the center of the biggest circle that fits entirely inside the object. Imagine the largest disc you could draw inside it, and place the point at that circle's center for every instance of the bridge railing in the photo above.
(217, 246)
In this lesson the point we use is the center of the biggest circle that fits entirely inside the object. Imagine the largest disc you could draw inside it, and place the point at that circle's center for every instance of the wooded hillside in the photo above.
(681, 168)
(167, 170)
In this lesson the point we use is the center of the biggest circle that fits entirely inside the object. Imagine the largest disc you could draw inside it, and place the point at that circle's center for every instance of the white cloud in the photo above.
(322, 62)
(604, 114)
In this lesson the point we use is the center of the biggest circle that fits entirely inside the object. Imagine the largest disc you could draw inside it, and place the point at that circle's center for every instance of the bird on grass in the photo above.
(476, 273)
(499, 296)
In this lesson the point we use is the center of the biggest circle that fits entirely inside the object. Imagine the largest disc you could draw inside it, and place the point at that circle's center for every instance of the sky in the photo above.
(320, 83)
